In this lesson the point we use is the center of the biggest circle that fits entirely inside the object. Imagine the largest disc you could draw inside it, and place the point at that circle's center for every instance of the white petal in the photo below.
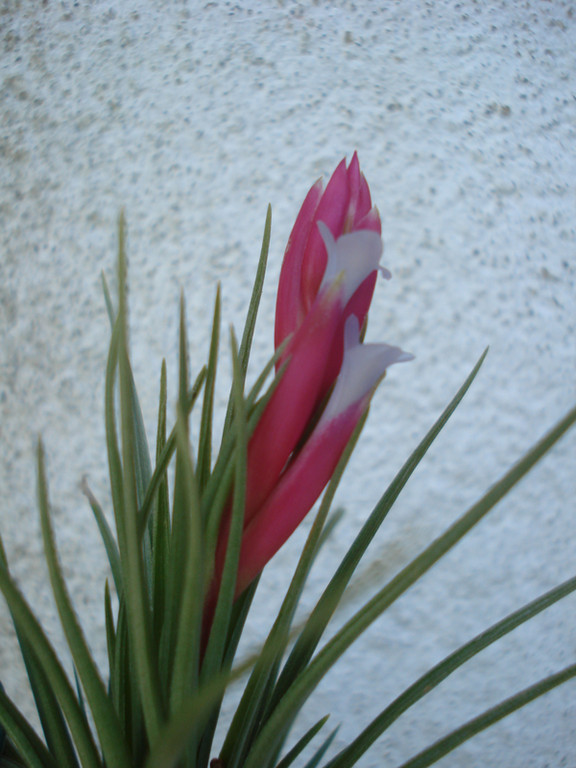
(362, 368)
(355, 256)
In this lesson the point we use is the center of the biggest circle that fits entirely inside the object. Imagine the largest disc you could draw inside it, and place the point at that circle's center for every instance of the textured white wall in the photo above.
(195, 115)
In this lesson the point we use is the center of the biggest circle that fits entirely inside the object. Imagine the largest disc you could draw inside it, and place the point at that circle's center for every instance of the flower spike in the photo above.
(327, 281)
(306, 476)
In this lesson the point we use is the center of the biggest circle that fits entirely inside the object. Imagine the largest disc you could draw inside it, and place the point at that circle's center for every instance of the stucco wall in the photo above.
(193, 116)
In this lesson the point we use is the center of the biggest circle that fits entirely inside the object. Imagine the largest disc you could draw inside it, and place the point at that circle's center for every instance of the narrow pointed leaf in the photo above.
(240, 610)
(49, 711)
(248, 333)
(162, 461)
(160, 525)
(457, 737)
(23, 737)
(121, 673)
(205, 436)
(179, 534)
(322, 749)
(105, 719)
(114, 460)
(427, 682)
(109, 620)
(190, 578)
(176, 733)
(51, 717)
(302, 743)
(313, 673)
(141, 451)
(216, 647)
(107, 537)
(219, 631)
(180, 511)
(29, 628)
(249, 325)
(182, 356)
(254, 707)
(134, 577)
(108, 301)
(321, 615)
(218, 487)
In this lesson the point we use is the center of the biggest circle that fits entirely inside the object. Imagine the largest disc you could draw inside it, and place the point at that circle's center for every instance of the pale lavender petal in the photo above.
(354, 256)
(362, 368)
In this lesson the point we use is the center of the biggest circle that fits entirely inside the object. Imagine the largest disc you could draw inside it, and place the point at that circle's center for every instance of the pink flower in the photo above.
(326, 285)
(310, 470)
(345, 206)
(309, 375)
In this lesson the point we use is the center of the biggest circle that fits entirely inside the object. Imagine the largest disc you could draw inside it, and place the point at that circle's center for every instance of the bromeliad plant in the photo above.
(185, 562)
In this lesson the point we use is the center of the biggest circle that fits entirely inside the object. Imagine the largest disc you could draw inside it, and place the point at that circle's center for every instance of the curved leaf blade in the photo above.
(315, 671)
(457, 737)
(29, 628)
(105, 718)
(427, 682)
(322, 613)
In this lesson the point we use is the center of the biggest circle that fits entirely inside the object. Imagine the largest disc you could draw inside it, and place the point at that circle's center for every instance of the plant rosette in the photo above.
(194, 527)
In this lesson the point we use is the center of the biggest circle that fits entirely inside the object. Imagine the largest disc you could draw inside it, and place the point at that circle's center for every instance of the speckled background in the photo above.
(193, 116)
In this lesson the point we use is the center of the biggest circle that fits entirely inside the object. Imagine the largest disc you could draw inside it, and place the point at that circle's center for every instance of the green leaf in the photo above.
(217, 490)
(110, 629)
(108, 301)
(141, 451)
(23, 737)
(176, 734)
(248, 333)
(189, 579)
(302, 743)
(249, 325)
(121, 673)
(105, 719)
(221, 601)
(175, 566)
(182, 357)
(162, 462)
(457, 737)
(308, 679)
(205, 436)
(142, 456)
(133, 572)
(252, 402)
(79, 693)
(28, 627)
(227, 586)
(427, 682)
(254, 707)
(160, 524)
(185, 530)
(240, 610)
(321, 751)
(107, 536)
(114, 460)
(125, 690)
(49, 711)
(324, 610)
